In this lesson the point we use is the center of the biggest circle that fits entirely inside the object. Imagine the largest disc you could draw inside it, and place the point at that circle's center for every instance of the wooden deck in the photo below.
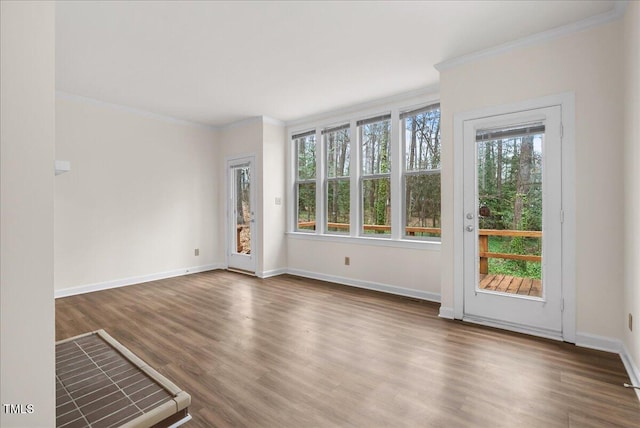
(511, 284)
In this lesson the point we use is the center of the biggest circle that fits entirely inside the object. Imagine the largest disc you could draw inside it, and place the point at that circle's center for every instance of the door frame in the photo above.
(566, 102)
(543, 313)
(228, 194)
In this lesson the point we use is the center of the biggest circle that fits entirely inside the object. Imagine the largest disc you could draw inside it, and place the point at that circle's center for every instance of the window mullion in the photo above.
(396, 176)
(321, 188)
(292, 194)
(422, 172)
(354, 195)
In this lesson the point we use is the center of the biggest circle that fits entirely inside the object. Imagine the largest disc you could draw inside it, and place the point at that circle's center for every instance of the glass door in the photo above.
(512, 220)
(241, 216)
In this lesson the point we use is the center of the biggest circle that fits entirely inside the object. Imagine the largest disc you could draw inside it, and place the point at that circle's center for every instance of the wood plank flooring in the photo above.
(293, 352)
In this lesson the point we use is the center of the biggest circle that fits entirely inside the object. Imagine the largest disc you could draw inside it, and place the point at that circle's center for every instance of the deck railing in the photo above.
(483, 239)
(485, 254)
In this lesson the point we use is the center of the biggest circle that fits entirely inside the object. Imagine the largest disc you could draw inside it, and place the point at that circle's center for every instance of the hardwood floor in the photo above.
(293, 352)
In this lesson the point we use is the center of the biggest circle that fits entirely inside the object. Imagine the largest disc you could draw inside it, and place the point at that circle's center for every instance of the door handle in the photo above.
(469, 228)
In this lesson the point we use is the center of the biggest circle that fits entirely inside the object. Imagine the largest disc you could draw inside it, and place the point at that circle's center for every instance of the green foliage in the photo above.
(422, 159)
(510, 188)
(500, 186)
(515, 245)
(376, 202)
(306, 203)
(380, 202)
(338, 192)
(376, 152)
(422, 193)
(306, 148)
(338, 154)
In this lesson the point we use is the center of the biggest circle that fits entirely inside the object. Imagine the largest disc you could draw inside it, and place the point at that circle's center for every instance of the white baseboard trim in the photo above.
(446, 313)
(369, 285)
(616, 346)
(89, 288)
(599, 343)
(272, 272)
(631, 367)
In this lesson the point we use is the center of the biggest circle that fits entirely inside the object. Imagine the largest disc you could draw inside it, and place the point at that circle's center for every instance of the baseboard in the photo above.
(616, 346)
(631, 367)
(446, 313)
(89, 288)
(369, 285)
(599, 343)
(272, 272)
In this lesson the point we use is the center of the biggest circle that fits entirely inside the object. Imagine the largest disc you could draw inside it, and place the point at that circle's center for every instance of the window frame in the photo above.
(374, 175)
(337, 179)
(298, 181)
(417, 172)
(393, 106)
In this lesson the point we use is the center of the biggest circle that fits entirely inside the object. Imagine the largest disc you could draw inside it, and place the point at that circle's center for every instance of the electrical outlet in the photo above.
(196, 251)
(347, 261)
(630, 322)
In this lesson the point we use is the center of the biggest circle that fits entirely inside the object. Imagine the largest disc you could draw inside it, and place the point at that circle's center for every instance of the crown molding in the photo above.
(615, 13)
(241, 122)
(431, 90)
(165, 118)
(133, 110)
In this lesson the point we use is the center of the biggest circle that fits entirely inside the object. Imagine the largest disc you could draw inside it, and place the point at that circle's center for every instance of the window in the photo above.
(375, 149)
(378, 177)
(421, 173)
(305, 145)
(338, 182)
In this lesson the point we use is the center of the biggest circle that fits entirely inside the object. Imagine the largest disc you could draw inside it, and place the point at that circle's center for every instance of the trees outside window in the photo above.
(375, 149)
(305, 187)
(510, 194)
(338, 156)
(421, 175)
(374, 177)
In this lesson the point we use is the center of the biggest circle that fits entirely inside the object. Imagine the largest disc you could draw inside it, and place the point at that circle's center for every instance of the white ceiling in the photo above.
(221, 62)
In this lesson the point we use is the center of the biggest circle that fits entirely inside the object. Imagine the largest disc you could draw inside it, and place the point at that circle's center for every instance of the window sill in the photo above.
(361, 240)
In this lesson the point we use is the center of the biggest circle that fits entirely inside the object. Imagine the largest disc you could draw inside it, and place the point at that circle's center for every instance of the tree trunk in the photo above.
(239, 197)
(524, 180)
(343, 158)
(412, 150)
(499, 170)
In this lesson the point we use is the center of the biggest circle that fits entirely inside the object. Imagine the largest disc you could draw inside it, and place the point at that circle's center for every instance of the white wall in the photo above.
(631, 54)
(274, 244)
(27, 133)
(141, 195)
(256, 136)
(405, 271)
(237, 140)
(587, 63)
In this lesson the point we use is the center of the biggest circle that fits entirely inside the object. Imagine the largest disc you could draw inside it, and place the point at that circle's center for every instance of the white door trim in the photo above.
(255, 247)
(566, 101)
